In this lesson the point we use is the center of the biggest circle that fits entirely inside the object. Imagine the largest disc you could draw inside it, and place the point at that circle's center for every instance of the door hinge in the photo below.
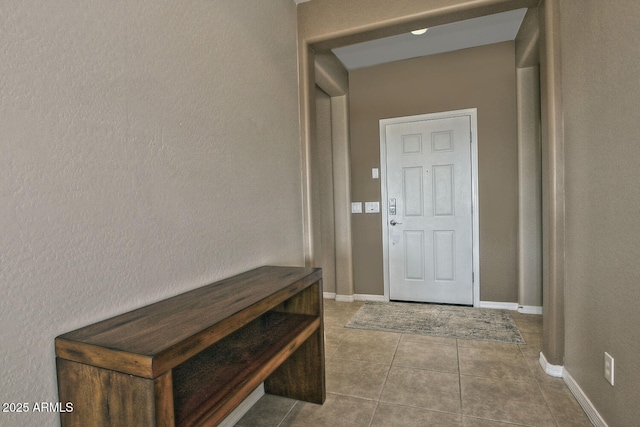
(473, 277)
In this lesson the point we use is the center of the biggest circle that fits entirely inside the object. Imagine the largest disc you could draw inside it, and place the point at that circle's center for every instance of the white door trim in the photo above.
(472, 113)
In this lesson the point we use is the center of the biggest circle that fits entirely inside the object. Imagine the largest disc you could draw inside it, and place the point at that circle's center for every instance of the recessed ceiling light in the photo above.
(419, 32)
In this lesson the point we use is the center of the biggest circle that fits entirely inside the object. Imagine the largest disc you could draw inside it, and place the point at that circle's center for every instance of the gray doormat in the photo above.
(438, 320)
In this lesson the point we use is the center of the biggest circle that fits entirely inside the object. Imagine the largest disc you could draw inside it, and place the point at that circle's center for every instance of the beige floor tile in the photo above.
(378, 347)
(365, 371)
(337, 411)
(443, 358)
(337, 322)
(404, 416)
(427, 339)
(493, 345)
(356, 378)
(532, 338)
(531, 350)
(565, 407)
(338, 314)
(334, 336)
(269, 411)
(329, 351)
(481, 422)
(496, 362)
(530, 329)
(528, 322)
(505, 400)
(332, 308)
(438, 391)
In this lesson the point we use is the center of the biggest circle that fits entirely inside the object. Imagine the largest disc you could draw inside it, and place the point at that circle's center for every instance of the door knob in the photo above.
(394, 222)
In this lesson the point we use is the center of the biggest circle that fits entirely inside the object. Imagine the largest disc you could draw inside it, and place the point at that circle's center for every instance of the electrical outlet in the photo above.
(608, 367)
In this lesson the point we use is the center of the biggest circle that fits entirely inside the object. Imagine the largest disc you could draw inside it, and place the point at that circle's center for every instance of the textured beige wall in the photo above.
(553, 190)
(529, 188)
(601, 96)
(146, 148)
(324, 237)
(530, 283)
(332, 131)
(482, 77)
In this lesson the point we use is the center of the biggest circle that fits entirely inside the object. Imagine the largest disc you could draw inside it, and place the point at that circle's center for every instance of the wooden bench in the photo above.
(191, 359)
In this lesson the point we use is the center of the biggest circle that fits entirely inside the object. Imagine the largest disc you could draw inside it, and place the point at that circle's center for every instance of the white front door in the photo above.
(427, 202)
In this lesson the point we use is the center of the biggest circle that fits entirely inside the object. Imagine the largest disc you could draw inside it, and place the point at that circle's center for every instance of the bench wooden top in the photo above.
(174, 329)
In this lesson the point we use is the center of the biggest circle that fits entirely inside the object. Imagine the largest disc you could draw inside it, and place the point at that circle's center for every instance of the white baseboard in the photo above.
(549, 369)
(367, 297)
(352, 298)
(243, 408)
(499, 305)
(583, 400)
(530, 309)
(345, 298)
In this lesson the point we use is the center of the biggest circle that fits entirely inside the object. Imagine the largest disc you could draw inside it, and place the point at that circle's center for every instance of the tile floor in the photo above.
(387, 379)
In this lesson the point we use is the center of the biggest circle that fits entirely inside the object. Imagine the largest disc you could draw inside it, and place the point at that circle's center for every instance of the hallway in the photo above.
(389, 379)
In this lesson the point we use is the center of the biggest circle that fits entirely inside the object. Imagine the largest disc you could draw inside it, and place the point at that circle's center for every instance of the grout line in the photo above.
(384, 383)
(353, 396)
(459, 378)
(506, 423)
(546, 402)
(288, 412)
(375, 411)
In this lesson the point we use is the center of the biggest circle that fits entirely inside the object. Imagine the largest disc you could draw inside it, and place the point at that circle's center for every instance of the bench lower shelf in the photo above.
(206, 383)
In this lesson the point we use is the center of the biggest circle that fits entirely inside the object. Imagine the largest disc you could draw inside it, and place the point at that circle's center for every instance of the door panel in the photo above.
(429, 222)
(443, 197)
(414, 255)
(444, 254)
(413, 191)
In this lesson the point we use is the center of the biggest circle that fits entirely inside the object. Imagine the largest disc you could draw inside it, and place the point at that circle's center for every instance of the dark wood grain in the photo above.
(165, 413)
(152, 339)
(191, 359)
(103, 397)
(302, 375)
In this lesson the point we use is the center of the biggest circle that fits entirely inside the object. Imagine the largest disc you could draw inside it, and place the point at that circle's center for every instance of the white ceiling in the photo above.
(444, 38)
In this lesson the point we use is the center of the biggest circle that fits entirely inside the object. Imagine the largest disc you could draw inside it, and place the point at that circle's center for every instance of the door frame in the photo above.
(322, 33)
(472, 113)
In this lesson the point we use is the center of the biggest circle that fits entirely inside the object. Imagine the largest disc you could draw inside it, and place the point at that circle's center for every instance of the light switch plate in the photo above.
(372, 207)
(608, 367)
(356, 207)
(375, 173)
